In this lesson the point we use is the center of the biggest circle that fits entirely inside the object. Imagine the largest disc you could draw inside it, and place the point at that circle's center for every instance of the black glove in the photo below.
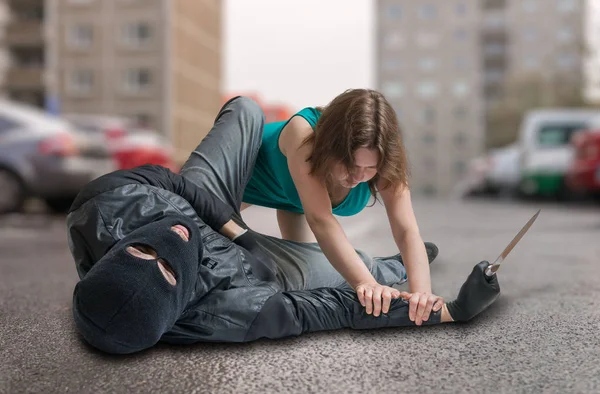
(263, 266)
(476, 294)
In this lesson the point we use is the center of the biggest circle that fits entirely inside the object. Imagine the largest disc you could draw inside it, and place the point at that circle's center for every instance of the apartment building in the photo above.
(592, 64)
(157, 61)
(443, 63)
(22, 52)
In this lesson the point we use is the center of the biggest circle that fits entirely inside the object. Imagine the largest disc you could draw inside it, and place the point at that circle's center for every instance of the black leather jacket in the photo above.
(229, 303)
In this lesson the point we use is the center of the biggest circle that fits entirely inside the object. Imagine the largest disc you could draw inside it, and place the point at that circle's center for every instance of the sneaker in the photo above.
(430, 247)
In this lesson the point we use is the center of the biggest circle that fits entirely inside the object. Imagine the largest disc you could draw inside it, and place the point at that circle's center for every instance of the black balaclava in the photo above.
(125, 304)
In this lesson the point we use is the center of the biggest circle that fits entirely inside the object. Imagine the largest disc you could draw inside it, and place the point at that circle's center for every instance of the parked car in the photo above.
(583, 176)
(474, 182)
(504, 174)
(130, 145)
(546, 150)
(45, 157)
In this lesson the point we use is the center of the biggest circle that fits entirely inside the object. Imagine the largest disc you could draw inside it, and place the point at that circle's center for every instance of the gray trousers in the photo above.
(223, 164)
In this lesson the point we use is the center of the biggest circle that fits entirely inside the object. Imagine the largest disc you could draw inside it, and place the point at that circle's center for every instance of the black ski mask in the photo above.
(125, 304)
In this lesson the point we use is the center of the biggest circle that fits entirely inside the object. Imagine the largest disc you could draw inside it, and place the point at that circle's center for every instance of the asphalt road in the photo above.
(541, 336)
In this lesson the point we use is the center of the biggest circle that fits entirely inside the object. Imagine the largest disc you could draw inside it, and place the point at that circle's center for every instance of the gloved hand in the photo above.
(476, 294)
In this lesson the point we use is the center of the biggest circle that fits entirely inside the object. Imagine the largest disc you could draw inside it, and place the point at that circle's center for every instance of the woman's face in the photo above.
(365, 168)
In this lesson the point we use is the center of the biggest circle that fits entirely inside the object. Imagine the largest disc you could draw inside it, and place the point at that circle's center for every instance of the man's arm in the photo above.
(249, 313)
(296, 312)
(214, 212)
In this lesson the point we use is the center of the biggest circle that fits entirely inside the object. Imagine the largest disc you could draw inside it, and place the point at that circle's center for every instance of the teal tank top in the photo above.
(271, 184)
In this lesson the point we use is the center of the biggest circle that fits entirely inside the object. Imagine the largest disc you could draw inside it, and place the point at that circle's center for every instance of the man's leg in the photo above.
(303, 266)
(223, 161)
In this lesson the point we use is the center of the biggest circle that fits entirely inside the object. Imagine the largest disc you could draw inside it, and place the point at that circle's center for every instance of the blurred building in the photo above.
(157, 61)
(442, 64)
(593, 47)
(22, 51)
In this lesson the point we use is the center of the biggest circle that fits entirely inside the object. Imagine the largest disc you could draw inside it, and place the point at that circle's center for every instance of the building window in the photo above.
(494, 19)
(566, 5)
(393, 90)
(460, 89)
(391, 64)
(494, 75)
(398, 113)
(530, 6)
(494, 48)
(429, 190)
(80, 36)
(136, 80)
(567, 61)
(530, 34)
(136, 34)
(427, 116)
(460, 113)
(460, 62)
(565, 35)
(429, 139)
(460, 140)
(394, 40)
(459, 167)
(427, 64)
(531, 62)
(427, 11)
(427, 89)
(494, 4)
(460, 34)
(426, 39)
(393, 12)
(80, 82)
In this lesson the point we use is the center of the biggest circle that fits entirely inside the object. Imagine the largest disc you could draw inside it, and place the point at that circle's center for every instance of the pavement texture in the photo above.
(542, 335)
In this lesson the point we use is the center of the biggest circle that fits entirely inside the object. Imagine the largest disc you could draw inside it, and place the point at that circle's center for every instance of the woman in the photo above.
(330, 161)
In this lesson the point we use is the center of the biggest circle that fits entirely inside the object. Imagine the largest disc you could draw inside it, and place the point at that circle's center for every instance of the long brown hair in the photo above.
(359, 118)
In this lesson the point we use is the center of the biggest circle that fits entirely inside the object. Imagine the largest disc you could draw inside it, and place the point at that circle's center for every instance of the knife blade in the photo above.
(492, 268)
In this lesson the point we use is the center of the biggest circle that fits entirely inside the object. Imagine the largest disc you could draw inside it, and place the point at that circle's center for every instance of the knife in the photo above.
(492, 268)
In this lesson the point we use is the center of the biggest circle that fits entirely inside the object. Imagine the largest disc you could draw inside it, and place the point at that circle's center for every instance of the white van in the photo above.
(546, 153)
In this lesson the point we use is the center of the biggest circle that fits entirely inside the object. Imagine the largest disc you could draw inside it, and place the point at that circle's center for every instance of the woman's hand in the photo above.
(376, 298)
(421, 305)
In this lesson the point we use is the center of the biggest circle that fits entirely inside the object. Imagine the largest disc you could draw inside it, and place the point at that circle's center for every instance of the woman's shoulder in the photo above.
(300, 126)
(310, 114)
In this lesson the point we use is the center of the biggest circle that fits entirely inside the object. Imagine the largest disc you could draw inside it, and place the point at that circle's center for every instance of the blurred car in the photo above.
(545, 136)
(583, 176)
(130, 145)
(504, 173)
(45, 157)
(474, 182)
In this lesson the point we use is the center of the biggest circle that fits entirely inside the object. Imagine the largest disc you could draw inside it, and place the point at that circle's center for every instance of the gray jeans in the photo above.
(223, 164)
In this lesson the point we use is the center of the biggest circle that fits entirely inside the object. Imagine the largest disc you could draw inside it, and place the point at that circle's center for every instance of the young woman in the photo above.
(330, 161)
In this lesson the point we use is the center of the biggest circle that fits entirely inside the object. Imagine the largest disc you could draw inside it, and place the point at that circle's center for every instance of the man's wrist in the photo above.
(231, 230)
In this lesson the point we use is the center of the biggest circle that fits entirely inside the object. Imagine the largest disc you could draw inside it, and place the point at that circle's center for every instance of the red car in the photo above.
(130, 145)
(583, 175)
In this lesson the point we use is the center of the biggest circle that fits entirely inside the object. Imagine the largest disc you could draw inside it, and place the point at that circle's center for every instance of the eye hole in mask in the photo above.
(147, 253)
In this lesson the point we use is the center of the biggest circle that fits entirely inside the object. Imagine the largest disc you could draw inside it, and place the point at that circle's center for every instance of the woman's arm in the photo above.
(406, 234)
(317, 206)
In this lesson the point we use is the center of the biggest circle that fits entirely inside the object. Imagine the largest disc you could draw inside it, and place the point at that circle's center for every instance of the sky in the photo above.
(298, 52)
